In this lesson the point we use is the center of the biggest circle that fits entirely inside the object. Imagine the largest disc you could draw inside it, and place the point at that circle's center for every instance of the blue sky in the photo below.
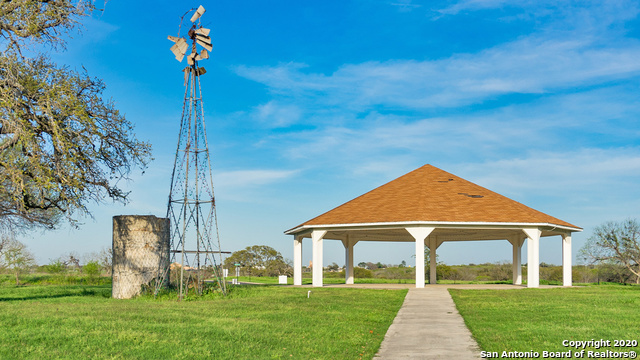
(310, 104)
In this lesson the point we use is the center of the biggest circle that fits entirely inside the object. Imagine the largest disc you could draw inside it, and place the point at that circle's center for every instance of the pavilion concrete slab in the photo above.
(439, 286)
(428, 326)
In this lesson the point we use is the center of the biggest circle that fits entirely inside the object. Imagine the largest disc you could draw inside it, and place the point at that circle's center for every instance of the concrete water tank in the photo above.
(140, 252)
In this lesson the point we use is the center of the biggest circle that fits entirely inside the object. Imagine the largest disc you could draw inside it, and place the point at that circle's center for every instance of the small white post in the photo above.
(517, 260)
(419, 234)
(297, 260)
(566, 260)
(348, 260)
(533, 257)
(316, 238)
(433, 245)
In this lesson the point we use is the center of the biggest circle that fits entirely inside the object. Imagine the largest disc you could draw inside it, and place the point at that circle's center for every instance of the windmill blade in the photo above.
(176, 51)
(198, 13)
(203, 37)
(203, 55)
(191, 59)
(203, 31)
(204, 44)
(180, 47)
(186, 72)
(173, 38)
(206, 39)
(183, 46)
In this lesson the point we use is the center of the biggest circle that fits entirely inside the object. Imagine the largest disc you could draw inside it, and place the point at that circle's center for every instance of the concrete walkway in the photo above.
(428, 326)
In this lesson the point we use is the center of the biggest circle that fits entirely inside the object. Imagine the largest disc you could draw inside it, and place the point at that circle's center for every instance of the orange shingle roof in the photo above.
(430, 194)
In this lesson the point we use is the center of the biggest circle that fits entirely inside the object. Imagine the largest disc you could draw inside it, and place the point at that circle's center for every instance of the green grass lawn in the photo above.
(540, 319)
(253, 322)
(274, 322)
(325, 280)
(307, 280)
(54, 279)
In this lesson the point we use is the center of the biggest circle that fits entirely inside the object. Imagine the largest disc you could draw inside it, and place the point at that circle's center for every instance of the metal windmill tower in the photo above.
(195, 240)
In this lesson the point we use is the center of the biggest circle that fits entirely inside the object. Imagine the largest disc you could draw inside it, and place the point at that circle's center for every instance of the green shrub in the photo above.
(360, 273)
(92, 268)
(56, 267)
(394, 273)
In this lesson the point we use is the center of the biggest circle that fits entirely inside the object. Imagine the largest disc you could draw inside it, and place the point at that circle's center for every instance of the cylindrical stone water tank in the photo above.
(140, 253)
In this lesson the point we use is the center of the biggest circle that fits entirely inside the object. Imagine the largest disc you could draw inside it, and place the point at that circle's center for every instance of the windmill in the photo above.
(195, 239)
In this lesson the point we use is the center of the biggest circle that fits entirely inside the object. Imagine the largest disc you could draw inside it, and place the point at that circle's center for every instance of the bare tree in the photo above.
(72, 261)
(615, 243)
(61, 145)
(15, 256)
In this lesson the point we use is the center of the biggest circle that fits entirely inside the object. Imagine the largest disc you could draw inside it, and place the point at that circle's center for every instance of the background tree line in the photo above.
(610, 255)
(16, 259)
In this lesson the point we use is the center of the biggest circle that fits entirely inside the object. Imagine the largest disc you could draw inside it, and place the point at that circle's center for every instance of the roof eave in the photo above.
(306, 228)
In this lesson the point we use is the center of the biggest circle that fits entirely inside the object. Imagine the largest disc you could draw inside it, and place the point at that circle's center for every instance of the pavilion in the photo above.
(429, 206)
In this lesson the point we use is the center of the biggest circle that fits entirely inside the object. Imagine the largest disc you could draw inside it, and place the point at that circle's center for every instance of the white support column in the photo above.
(348, 260)
(533, 257)
(316, 239)
(517, 260)
(297, 260)
(433, 245)
(419, 234)
(566, 260)
(419, 262)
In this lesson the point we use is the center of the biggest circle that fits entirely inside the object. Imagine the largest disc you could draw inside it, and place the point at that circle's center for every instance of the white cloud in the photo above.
(405, 5)
(560, 122)
(556, 173)
(557, 14)
(274, 114)
(530, 65)
(91, 31)
(251, 178)
(464, 5)
(585, 187)
(255, 186)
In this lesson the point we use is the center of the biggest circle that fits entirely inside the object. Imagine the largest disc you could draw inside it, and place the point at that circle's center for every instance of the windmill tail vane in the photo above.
(195, 239)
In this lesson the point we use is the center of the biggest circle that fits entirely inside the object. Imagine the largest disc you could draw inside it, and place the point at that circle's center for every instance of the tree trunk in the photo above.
(17, 278)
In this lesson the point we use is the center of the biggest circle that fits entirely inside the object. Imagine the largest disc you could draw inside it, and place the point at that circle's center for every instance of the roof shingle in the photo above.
(431, 194)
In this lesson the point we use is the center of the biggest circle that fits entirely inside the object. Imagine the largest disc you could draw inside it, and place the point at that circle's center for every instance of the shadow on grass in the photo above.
(106, 293)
